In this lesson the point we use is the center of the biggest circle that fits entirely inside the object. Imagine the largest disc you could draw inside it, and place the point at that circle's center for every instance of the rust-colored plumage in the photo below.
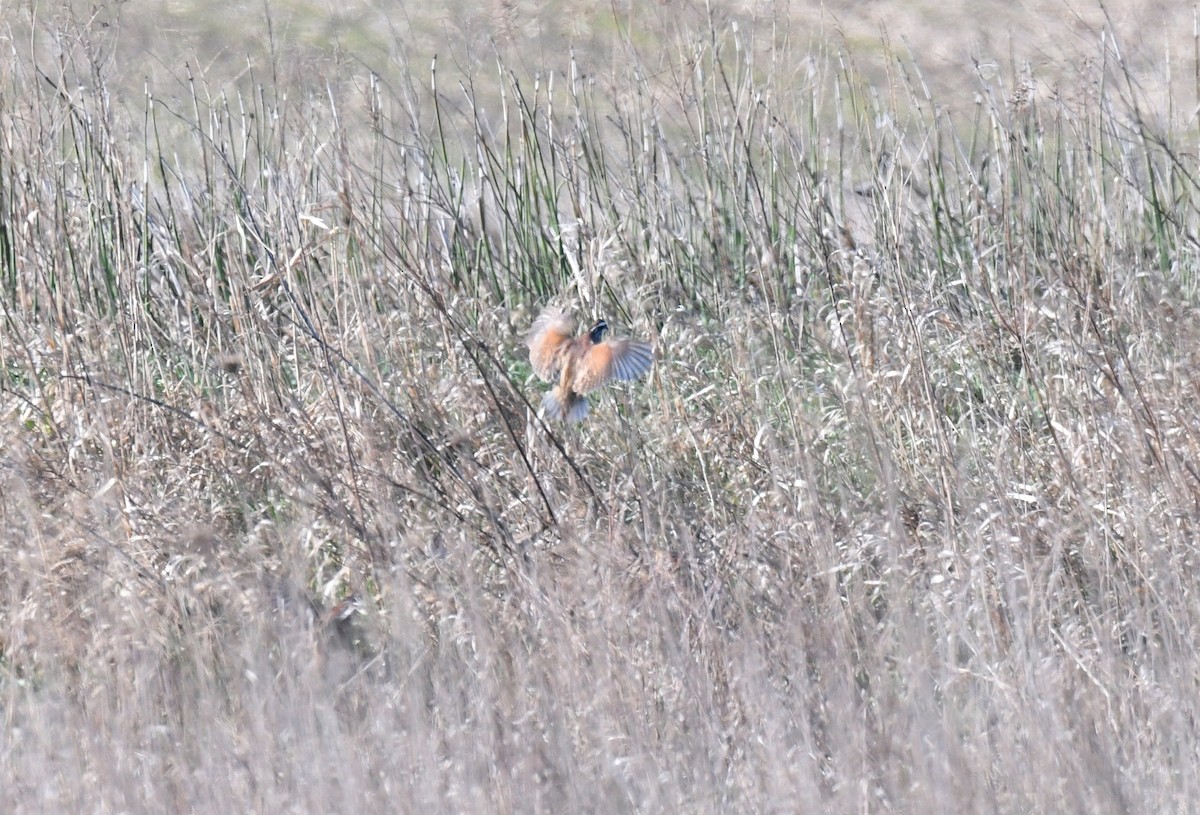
(580, 364)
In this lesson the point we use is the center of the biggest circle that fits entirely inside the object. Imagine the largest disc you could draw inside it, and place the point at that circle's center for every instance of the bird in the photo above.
(580, 364)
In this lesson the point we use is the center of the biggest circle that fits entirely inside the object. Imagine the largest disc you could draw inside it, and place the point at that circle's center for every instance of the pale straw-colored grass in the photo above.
(903, 519)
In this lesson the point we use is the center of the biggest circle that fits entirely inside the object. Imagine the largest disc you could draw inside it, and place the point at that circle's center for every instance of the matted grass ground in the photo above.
(903, 519)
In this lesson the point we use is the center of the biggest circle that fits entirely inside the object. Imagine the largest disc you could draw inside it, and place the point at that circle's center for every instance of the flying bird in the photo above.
(580, 364)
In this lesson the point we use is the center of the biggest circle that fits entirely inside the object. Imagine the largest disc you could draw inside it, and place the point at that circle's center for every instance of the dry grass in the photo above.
(903, 519)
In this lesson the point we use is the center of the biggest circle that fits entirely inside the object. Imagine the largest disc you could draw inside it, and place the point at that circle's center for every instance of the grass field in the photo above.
(904, 518)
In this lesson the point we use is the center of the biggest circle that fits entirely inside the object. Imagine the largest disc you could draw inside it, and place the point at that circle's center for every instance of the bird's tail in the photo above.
(559, 402)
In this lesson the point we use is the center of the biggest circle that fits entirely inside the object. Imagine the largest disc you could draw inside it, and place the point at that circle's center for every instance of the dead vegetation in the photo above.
(902, 519)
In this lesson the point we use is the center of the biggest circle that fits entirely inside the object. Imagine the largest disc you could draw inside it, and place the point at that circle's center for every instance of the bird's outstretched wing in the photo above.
(551, 331)
(613, 359)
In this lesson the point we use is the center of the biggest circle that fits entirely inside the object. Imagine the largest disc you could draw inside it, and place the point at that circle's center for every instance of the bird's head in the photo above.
(597, 331)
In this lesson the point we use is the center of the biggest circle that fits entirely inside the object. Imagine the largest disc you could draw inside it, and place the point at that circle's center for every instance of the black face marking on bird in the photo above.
(597, 331)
